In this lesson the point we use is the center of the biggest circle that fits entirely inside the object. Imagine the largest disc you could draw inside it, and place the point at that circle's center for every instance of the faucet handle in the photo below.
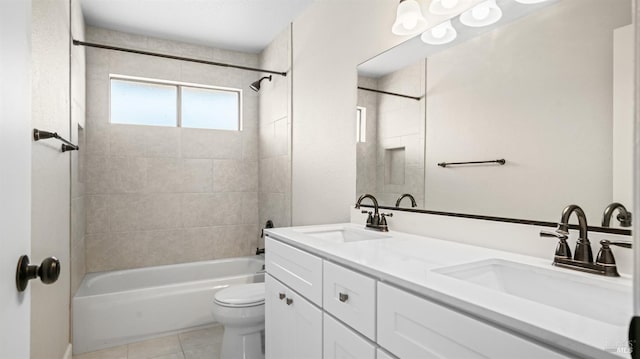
(607, 243)
(560, 236)
(562, 250)
(369, 217)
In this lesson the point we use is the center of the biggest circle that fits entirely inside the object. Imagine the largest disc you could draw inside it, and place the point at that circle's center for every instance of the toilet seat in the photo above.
(241, 296)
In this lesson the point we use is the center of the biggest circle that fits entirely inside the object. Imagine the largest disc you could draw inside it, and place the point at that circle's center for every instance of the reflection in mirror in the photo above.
(548, 88)
(390, 144)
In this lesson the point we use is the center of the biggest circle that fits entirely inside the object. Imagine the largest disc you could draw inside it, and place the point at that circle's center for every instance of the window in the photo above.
(137, 101)
(361, 124)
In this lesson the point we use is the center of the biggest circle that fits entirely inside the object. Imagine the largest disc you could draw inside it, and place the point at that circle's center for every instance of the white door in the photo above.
(15, 173)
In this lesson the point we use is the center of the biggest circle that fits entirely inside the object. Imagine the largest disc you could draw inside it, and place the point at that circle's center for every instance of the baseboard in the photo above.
(68, 354)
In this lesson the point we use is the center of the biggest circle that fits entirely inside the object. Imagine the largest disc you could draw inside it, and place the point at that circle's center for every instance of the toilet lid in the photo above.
(243, 295)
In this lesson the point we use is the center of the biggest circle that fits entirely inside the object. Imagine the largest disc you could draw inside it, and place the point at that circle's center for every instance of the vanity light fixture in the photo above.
(441, 34)
(483, 14)
(447, 7)
(409, 19)
(530, 1)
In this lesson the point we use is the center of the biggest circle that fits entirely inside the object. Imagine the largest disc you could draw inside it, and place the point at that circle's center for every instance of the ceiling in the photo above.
(241, 25)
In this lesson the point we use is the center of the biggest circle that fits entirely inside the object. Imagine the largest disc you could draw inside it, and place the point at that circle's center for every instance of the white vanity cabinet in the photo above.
(318, 309)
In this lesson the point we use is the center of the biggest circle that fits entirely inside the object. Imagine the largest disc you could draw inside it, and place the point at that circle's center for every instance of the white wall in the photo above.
(274, 133)
(538, 95)
(50, 176)
(329, 40)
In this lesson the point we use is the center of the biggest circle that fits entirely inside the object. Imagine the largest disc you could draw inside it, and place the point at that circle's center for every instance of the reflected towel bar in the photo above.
(445, 164)
(43, 135)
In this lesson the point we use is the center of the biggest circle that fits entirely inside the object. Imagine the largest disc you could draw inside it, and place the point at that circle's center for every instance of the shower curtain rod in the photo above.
(389, 93)
(180, 58)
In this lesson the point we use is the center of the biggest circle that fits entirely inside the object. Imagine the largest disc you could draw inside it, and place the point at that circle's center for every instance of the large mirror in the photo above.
(548, 88)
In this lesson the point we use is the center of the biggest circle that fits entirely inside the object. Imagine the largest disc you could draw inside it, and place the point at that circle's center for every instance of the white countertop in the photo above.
(408, 261)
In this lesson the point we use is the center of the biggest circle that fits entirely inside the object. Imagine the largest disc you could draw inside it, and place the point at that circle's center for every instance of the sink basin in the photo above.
(342, 234)
(596, 298)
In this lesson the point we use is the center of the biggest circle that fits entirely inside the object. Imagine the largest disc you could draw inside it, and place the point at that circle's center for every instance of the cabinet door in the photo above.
(293, 326)
(275, 319)
(341, 342)
(304, 330)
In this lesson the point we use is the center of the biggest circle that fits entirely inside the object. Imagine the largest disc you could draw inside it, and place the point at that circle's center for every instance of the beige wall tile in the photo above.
(197, 175)
(250, 208)
(235, 176)
(126, 174)
(164, 175)
(97, 214)
(127, 140)
(144, 212)
(198, 143)
(200, 210)
(162, 141)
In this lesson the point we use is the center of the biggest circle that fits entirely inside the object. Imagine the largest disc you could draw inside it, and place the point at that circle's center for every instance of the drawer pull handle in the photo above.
(281, 296)
(343, 297)
(289, 301)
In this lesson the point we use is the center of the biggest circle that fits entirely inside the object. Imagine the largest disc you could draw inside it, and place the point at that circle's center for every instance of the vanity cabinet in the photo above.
(318, 309)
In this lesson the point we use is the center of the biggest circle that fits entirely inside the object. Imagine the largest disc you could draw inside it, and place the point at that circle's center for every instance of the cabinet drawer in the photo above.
(413, 327)
(299, 270)
(350, 296)
(341, 342)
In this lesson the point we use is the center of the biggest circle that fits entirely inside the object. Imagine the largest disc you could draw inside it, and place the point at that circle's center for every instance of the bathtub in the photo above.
(119, 307)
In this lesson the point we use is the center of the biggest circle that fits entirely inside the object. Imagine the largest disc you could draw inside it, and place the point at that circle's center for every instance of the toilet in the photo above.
(240, 308)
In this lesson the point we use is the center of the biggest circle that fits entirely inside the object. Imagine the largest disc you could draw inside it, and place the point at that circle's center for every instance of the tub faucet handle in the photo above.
(281, 296)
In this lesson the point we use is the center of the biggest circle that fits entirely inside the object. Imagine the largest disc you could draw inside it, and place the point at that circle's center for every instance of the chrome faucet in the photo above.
(624, 216)
(413, 200)
(604, 264)
(375, 220)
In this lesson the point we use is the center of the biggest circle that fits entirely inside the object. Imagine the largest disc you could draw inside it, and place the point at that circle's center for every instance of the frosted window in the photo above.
(361, 124)
(210, 108)
(143, 103)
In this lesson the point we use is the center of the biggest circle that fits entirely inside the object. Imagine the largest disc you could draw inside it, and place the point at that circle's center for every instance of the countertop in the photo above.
(408, 262)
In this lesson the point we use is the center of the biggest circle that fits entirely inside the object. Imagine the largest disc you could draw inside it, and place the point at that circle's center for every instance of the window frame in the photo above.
(361, 124)
(179, 85)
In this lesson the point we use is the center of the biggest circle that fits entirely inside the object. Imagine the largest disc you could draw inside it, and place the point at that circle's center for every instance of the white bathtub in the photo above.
(119, 307)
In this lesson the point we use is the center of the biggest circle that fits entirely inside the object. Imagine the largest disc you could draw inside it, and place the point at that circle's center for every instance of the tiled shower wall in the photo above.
(160, 195)
(401, 124)
(393, 123)
(275, 134)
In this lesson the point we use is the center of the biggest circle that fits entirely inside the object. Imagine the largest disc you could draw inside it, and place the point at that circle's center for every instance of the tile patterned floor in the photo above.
(197, 344)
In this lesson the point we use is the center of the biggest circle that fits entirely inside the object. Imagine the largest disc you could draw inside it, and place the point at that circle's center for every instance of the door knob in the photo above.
(48, 271)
